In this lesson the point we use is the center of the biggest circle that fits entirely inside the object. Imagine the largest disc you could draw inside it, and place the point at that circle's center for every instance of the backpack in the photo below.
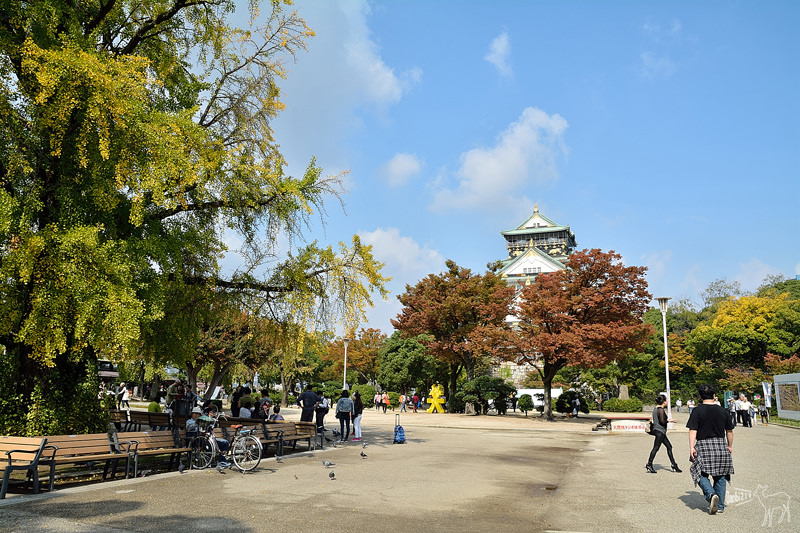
(399, 432)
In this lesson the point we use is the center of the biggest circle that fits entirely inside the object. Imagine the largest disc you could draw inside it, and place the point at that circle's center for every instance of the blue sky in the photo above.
(667, 131)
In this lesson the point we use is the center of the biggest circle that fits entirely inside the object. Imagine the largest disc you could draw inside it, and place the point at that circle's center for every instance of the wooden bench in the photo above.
(84, 449)
(151, 443)
(222, 431)
(22, 453)
(290, 432)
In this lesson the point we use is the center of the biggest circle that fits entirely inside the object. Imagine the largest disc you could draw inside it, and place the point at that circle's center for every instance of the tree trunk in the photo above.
(155, 388)
(191, 377)
(455, 370)
(284, 392)
(216, 379)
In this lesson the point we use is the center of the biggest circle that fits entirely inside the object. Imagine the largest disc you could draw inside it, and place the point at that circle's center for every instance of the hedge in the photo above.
(616, 405)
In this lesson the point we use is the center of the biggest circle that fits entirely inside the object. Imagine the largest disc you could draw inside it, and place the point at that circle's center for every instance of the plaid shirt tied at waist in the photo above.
(713, 459)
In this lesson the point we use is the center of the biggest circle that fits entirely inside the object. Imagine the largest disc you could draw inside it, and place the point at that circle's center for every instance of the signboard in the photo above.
(629, 425)
(787, 394)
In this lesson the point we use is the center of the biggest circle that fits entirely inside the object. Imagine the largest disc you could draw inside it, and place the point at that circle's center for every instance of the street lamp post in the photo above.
(662, 303)
(344, 380)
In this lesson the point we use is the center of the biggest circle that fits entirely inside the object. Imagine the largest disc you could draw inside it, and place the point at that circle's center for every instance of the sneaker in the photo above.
(356, 439)
(721, 510)
(713, 504)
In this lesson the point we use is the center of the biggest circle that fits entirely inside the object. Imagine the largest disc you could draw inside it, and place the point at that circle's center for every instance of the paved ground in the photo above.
(456, 473)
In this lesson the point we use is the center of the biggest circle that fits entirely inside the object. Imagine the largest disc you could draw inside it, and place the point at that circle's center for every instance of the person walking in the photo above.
(764, 412)
(385, 401)
(710, 449)
(415, 402)
(678, 405)
(377, 400)
(125, 396)
(690, 404)
(660, 422)
(739, 412)
(402, 403)
(747, 420)
(358, 410)
(344, 411)
(732, 411)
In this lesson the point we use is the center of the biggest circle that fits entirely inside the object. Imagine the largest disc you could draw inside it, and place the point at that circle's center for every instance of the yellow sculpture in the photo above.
(436, 399)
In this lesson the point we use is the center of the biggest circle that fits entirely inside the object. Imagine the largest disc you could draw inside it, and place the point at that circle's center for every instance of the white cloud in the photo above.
(401, 168)
(657, 33)
(499, 52)
(496, 178)
(656, 263)
(753, 272)
(405, 261)
(341, 75)
(653, 66)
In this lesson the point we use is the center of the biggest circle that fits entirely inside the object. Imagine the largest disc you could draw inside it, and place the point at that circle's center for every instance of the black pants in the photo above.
(733, 417)
(307, 414)
(659, 439)
(344, 426)
(746, 421)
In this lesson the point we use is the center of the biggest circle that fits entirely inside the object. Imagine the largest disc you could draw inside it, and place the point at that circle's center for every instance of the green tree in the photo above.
(745, 329)
(484, 388)
(460, 311)
(406, 363)
(133, 134)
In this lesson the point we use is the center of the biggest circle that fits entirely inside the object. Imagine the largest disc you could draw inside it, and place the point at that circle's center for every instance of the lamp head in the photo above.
(662, 303)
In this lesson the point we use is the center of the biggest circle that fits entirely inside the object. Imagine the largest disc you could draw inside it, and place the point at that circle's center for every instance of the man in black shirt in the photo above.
(308, 401)
(710, 448)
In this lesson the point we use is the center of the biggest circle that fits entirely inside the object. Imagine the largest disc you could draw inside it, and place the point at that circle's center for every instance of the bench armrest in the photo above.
(132, 444)
(52, 454)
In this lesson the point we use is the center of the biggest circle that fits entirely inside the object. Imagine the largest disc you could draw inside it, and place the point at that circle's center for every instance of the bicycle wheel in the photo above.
(203, 453)
(246, 453)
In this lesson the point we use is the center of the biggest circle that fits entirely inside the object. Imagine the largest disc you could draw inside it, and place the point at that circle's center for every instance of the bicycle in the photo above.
(244, 449)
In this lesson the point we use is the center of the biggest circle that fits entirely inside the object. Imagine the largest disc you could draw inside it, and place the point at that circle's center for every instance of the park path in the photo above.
(456, 473)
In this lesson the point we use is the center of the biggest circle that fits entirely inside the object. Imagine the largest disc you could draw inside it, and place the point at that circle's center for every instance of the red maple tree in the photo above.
(586, 315)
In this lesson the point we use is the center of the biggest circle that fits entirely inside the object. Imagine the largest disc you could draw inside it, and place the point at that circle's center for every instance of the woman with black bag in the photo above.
(659, 432)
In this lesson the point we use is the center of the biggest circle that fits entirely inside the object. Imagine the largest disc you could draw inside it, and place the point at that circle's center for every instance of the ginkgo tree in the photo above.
(132, 136)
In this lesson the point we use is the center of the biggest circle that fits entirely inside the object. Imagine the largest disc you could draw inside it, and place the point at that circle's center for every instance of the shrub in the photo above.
(525, 403)
(153, 407)
(564, 402)
(615, 405)
(367, 393)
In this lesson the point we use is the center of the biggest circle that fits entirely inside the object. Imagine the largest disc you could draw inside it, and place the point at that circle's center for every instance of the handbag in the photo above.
(649, 428)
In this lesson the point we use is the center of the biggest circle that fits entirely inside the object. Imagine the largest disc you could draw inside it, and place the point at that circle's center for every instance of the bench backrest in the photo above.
(306, 428)
(148, 440)
(272, 429)
(77, 445)
(25, 448)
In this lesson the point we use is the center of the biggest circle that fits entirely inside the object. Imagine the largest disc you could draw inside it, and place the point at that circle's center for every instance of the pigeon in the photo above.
(332, 475)
(363, 455)
(327, 464)
(278, 459)
(143, 473)
(363, 444)
(181, 468)
(335, 444)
